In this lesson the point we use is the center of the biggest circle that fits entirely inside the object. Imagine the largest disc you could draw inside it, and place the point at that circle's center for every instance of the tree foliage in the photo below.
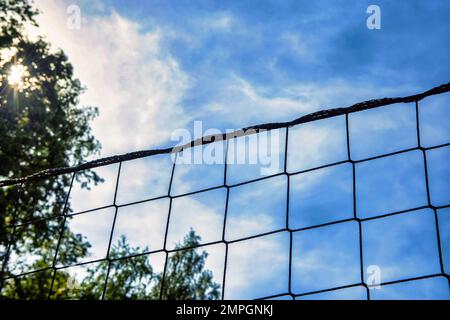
(41, 126)
(134, 277)
(185, 277)
(129, 275)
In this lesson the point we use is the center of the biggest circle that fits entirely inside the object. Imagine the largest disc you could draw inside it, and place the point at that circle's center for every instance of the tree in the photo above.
(41, 123)
(131, 276)
(127, 279)
(41, 126)
(185, 277)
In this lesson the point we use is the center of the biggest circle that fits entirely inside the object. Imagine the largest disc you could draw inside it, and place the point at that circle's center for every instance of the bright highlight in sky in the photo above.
(16, 76)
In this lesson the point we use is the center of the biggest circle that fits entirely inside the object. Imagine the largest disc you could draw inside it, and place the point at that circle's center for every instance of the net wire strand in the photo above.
(54, 268)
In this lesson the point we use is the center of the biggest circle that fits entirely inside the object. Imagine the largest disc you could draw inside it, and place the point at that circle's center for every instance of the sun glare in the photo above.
(17, 74)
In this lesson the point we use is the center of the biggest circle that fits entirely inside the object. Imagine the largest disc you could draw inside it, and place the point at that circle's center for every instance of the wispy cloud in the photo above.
(134, 81)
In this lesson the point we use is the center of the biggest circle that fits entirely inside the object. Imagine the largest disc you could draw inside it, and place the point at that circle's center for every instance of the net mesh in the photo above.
(357, 207)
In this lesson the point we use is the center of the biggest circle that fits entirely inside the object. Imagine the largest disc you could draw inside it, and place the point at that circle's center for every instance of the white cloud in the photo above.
(204, 217)
(217, 22)
(139, 86)
(257, 267)
(95, 226)
(136, 84)
(297, 45)
(143, 224)
(240, 103)
(315, 144)
(143, 179)
(97, 196)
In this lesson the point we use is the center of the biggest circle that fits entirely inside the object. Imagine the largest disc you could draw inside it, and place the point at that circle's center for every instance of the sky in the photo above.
(156, 66)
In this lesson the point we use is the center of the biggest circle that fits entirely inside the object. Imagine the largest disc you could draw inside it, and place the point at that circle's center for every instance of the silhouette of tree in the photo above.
(131, 276)
(41, 126)
(185, 277)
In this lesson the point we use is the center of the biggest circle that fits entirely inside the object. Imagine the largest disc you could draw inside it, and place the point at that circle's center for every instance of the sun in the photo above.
(17, 75)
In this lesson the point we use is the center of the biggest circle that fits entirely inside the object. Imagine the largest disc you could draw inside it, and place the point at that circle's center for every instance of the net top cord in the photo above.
(323, 114)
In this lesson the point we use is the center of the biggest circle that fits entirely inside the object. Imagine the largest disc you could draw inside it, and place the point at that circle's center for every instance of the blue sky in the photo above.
(276, 47)
(255, 36)
(157, 66)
